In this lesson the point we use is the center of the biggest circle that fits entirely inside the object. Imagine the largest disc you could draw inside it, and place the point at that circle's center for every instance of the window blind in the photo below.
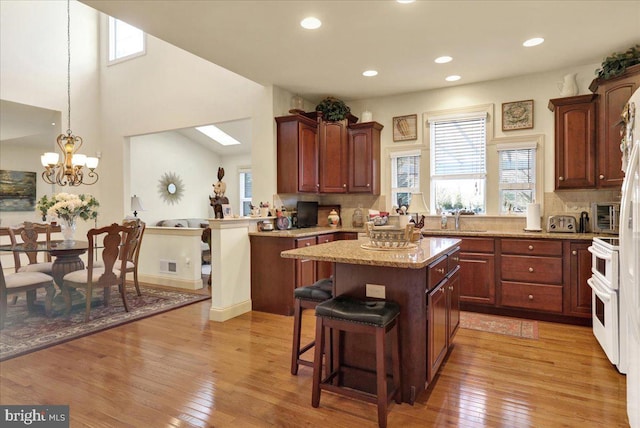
(459, 147)
(517, 168)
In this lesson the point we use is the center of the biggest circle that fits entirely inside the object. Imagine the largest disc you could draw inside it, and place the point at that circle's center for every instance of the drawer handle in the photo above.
(451, 288)
(440, 270)
(530, 247)
(530, 269)
(456, 259)
(530, 296)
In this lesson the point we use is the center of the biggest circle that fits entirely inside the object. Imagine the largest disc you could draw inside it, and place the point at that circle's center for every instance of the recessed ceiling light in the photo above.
(452, 78)
(218, 135)
(405, 1)
(370, 73)
(533, 42)
(443, 59)
(310, 23)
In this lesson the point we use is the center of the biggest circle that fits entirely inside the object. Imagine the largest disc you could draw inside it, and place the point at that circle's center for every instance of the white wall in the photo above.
(232, 166)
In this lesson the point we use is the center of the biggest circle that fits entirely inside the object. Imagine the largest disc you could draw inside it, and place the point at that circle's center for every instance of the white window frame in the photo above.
(393, 155)
(455, 116)
(529, 185)
(112, 41)
(242, 197)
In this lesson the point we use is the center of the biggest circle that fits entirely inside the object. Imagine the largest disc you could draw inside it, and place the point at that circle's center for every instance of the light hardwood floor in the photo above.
(178, 369)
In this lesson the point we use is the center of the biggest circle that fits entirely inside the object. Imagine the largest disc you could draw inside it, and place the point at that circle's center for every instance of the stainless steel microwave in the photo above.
(605, 217)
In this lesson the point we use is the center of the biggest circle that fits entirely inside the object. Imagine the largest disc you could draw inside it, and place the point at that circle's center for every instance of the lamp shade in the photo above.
(417, 204)
(136, 204)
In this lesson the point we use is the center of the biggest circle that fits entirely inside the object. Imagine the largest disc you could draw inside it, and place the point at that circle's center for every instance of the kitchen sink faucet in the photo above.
(457, 218)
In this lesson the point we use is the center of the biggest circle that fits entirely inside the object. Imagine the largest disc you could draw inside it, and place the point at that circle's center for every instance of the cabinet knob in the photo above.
(368, 185)
(574, 252)
(307, 244)
(561, 178)
(344, 185)
(456, 259)
(601, 177)
(440, 270)
(318, 185)
(451, 288)
(530, 296)
(530, 269)
(442, 290)
(530, 247)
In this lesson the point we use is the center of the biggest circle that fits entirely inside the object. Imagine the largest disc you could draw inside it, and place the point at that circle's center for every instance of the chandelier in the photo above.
(70, 171)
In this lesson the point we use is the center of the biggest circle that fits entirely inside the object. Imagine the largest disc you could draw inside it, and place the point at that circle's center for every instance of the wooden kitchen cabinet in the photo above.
(297, 154)
(333, 156)
(317, 156)
(578, 293)
(477, 271)
(324, 269)
(364, 158)
(306, 270)
(575, 141)
(613, 95)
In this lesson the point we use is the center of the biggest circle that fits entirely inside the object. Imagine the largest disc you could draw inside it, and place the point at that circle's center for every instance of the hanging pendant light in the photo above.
(70, 171)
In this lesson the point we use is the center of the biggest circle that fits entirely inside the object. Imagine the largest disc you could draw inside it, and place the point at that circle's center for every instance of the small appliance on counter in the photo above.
(561, 224)
(583, 225)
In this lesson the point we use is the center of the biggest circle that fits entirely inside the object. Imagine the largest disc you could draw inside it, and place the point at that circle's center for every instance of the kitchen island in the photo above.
(423, 280)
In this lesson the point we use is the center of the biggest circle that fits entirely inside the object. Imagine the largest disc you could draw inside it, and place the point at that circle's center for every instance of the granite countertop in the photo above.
(353, 252)
(307, 231)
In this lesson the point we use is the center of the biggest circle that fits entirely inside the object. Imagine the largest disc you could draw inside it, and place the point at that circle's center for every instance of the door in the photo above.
(334, 154)
(307, 159)
(437, 334)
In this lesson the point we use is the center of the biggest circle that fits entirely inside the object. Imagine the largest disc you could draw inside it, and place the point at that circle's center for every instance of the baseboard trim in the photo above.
(224, 314)
(187, 284)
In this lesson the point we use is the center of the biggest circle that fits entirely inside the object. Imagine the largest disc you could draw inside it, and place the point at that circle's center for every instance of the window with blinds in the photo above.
(246, 188)
(405, 176)
(458, 161)
(517, 176)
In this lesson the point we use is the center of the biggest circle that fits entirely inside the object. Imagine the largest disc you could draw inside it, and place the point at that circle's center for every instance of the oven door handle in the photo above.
(602, 294)
(599, 254)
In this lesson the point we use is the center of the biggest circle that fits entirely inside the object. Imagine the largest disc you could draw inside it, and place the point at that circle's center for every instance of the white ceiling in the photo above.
(262, 40)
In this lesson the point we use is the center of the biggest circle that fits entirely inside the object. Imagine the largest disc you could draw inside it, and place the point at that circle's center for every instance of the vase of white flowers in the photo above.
(68, 208)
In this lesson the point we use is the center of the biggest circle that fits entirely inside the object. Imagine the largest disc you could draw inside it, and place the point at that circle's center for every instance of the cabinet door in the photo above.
(324, 269)
(364, 158)
(579, 272)
(307, 159)
(334, 162)
(575, 145)
(453, 291)
(305, 269)
(613, 96)
(477, 278)
(437, 334)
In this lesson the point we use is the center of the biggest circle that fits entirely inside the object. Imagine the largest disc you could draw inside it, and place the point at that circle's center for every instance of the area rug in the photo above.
(24, 332)
(500, 325)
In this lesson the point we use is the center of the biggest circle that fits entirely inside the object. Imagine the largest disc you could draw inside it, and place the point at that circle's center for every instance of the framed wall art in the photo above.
(405, 128)
(517, 115)
(227, 211)
(17, 190)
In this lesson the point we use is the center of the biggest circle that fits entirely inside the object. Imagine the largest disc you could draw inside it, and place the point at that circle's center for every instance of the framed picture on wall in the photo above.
(517, 115)
(405, 127)
(227, 211)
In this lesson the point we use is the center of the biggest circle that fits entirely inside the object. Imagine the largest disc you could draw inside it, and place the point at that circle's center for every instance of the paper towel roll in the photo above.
(533, 217)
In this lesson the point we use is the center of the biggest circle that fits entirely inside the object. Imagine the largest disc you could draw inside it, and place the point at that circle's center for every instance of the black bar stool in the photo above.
(307, 297)
(347, 314)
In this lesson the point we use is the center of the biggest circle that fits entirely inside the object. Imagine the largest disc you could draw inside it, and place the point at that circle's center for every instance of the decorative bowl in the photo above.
(389, 236)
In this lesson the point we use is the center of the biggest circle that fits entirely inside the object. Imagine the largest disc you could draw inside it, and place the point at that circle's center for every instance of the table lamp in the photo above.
(136, 205)
(417, 206)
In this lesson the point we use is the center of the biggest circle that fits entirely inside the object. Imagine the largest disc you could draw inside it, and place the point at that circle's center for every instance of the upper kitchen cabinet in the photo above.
(364, 158)
(334, 156)
(297, 154)
(318, 156)
(575, 142)
(613, 94)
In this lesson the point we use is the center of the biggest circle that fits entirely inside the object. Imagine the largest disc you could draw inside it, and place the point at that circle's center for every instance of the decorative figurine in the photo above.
(218, 189)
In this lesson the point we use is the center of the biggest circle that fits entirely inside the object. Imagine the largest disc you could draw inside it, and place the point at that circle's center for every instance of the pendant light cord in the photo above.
(68, 68)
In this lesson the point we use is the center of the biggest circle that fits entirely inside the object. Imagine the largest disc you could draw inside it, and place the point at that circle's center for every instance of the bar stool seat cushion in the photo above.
(375, 313)
(319, 291)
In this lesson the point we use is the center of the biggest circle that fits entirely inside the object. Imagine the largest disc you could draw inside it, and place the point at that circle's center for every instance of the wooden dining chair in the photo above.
(109, 272)
(30, 234)
(28, 282)
(134, 250)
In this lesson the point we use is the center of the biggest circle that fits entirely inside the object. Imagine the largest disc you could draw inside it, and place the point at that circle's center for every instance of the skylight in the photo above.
(218, 135)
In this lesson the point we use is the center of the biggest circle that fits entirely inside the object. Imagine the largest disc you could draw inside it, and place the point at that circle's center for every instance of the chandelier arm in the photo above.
(68, 68)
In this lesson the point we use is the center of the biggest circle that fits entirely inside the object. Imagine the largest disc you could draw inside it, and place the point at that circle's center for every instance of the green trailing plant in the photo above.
(333, 109)
(617, 63)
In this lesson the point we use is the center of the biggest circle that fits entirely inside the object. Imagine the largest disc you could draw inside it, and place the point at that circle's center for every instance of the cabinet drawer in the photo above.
(533, 247)
(305, 242)
(453, 261)
(532, 296)
(545, 270)
(437, 272)
(323, 239)
(477, 245)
